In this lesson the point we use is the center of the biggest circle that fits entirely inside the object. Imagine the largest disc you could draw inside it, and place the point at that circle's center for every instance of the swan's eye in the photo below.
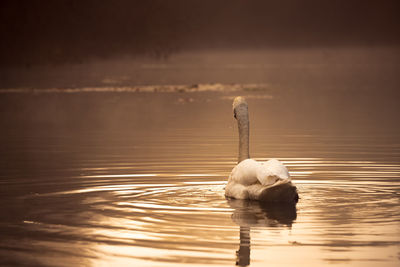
(234, 113)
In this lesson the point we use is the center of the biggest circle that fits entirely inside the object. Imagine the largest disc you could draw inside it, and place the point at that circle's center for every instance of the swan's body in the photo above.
(266, 173)
(265, 181)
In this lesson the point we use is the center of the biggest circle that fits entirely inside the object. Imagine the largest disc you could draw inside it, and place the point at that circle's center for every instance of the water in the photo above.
(137, 179)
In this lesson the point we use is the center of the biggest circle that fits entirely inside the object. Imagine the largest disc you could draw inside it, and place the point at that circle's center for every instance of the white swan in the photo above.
(264, 181)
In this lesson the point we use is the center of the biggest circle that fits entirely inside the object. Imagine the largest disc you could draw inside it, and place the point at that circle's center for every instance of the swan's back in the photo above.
(249, 172)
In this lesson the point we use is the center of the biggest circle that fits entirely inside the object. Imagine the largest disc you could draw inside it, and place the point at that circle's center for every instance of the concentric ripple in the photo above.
(116, 214)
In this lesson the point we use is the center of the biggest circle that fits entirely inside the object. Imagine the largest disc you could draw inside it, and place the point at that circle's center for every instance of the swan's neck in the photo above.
(243, 127)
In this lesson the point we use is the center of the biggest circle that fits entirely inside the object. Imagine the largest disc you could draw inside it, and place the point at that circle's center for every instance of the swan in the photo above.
(263, 181)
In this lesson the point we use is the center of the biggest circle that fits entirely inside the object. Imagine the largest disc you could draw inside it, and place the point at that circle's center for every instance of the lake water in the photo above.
(137, 179)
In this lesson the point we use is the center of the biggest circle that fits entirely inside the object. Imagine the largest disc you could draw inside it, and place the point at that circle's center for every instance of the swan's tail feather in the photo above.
(285, 192)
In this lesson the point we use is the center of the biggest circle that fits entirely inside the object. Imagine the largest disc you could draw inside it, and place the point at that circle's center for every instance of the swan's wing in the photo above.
(245, 172)
(272, 171)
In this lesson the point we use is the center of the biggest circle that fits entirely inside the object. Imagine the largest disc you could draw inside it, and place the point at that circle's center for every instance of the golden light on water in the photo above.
(147, 218)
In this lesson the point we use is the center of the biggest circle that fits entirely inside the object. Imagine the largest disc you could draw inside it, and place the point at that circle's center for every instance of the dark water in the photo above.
(137, 179)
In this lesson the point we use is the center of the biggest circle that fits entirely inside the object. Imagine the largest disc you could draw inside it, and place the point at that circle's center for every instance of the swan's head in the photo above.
(239, 107)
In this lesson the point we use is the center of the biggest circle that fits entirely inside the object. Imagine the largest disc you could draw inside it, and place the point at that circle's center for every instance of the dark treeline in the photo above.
(59, 31)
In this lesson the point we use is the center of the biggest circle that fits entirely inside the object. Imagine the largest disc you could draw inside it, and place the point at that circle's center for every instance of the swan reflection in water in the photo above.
(249, 214)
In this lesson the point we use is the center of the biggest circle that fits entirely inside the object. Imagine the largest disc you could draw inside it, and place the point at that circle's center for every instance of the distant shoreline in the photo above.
(215, 87)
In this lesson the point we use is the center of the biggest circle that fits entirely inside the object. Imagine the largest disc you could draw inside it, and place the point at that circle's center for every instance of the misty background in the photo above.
(72, 31)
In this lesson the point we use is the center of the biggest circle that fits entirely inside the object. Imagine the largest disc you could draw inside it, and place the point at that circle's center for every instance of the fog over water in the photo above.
(54, 32)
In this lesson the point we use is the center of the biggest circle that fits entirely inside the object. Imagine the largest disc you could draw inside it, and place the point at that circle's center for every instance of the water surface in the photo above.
(137, 179)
